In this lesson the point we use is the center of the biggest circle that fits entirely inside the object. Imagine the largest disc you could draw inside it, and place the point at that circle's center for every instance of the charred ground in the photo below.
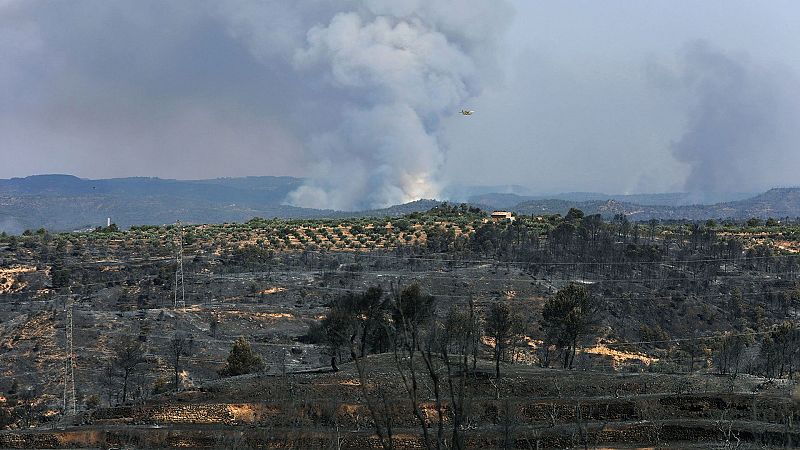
(692, 337)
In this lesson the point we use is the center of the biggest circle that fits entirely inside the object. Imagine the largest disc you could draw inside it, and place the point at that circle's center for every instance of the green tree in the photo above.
(574, 214)
(60, 275)
(566, 317)
(753, 222)
(357, 322)
(412, 309)
(501, 325)
(242, 360)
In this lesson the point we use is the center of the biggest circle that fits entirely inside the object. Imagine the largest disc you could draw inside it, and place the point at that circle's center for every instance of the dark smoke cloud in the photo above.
(742, 132)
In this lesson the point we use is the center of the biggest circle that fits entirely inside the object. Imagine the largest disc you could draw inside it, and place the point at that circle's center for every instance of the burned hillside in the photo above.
(437, 329)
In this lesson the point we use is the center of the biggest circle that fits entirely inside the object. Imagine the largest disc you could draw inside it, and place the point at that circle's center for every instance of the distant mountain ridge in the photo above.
(509, 200)
(777, 202)
(257, 189)
(66, 202)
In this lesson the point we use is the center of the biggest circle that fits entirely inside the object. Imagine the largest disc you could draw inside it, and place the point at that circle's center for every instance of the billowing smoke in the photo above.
(398, 67)
(348, 93)
(743, 129)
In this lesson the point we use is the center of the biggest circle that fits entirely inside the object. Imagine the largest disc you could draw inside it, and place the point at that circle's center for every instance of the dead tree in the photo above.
(181, 345)
(128, 359)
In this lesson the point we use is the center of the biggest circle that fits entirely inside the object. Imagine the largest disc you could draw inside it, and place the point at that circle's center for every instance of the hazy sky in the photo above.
(363, 97)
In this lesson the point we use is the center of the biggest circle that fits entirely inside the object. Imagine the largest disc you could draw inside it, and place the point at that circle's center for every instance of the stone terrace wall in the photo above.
(201, 414)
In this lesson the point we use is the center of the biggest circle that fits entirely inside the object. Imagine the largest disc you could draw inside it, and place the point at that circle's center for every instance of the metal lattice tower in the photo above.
(179, 300)
(70, 401)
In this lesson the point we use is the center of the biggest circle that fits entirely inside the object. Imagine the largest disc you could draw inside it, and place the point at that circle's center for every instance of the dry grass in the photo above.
(272, 290)
(618, 357)
(10, 275)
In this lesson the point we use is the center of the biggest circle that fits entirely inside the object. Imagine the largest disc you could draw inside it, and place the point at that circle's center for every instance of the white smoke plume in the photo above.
(397, 68)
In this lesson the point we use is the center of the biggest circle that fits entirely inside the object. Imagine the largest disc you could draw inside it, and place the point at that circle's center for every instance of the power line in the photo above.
(436, 274)
(479, 294)
(128, 261)
(82, 285)
(240, 277)
(534, 263)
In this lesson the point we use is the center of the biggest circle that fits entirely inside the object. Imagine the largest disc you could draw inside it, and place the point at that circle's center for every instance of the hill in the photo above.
(65, 202)
(778, 202)
(506, 200)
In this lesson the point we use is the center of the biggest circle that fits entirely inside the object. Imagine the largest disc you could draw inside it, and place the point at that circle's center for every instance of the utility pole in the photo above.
(70, 401)
(179, 301)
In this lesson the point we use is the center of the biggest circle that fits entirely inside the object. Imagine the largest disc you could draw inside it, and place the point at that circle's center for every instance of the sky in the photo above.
(362, 97)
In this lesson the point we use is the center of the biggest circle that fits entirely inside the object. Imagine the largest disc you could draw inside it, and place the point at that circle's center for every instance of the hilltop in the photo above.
(65, 202)
(776, 203)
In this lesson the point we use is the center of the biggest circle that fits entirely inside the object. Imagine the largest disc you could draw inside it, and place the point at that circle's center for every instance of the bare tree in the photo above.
(728, 351)
(108, 379)
(412, 311)
(27, 405)
(128, 359)
(460, 333)
(213, 327)
(730, 437)
(181, 344)
(378, 408)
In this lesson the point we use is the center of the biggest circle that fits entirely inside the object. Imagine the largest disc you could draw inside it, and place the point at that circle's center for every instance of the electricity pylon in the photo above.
(179, 300)
(70, 402)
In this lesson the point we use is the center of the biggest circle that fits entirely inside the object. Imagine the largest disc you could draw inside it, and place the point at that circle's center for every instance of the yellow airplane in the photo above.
(467, 112)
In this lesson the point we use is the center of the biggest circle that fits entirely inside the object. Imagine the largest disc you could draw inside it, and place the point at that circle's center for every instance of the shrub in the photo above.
(241, 360)
(92, 402)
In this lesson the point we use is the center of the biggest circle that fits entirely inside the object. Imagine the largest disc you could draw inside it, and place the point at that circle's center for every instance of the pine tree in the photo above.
(242, 360)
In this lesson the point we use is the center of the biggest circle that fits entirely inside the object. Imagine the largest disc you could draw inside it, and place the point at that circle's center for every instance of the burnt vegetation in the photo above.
(442, 329)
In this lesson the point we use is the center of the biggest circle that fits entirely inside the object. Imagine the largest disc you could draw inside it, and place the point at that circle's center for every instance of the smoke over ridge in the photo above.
(361, 97)
(743, 122)
(400, 67)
